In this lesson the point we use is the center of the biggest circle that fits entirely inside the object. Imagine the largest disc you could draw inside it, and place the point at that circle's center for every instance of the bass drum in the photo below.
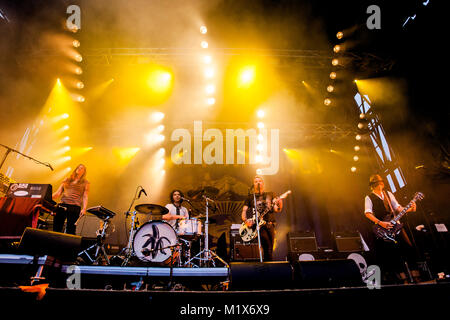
(153, 241)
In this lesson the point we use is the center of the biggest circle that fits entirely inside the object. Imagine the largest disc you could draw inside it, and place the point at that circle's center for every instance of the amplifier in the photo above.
(242, 251)
(30, 190)
(302, 241)
(348, 242)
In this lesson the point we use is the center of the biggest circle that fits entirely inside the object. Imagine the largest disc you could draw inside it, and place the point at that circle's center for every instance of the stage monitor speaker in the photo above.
(64, 247)
(300, 241)
(327, 274)
(348, 242)
(260, 276)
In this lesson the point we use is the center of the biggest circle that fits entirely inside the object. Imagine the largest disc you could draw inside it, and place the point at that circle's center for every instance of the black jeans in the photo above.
(267, 234)
(66, 211)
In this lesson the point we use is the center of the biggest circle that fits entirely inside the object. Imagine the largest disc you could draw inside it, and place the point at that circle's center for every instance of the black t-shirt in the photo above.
(261, 205)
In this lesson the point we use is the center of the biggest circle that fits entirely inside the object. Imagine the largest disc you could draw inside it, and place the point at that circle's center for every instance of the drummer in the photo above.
(176, 210)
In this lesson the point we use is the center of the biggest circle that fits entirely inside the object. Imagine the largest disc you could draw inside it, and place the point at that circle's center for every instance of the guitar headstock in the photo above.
(418, 196)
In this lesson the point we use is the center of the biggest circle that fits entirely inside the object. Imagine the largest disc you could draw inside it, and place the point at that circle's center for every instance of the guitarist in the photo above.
(264, 200)
(378, 205)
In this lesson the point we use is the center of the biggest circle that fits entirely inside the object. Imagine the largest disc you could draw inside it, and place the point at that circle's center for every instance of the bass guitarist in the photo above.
(379, 205)
(264, 201)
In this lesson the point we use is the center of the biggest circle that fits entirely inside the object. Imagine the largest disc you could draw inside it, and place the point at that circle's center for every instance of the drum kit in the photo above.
(157, 242)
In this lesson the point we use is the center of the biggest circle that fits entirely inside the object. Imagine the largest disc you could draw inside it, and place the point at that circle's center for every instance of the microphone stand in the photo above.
(8, 151)
(257, 223)
(128, 249)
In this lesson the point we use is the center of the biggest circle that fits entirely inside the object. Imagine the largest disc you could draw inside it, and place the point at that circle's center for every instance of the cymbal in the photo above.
(154, 209)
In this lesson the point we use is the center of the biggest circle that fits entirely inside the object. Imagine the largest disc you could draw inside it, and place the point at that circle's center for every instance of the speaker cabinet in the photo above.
(348, 242)
(58, 245)
(243, 251)
(301, 241)
(261, 275)
(327, 274)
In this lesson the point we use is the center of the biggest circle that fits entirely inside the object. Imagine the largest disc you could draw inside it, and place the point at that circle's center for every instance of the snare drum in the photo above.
(189, 227)
(154, 241)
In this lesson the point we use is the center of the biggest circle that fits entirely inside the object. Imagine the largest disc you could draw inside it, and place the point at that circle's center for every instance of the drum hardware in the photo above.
(99, 245)
(127, 251)
(207, 256)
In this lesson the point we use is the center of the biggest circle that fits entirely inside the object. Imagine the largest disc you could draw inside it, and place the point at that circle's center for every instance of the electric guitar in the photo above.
(389, 235)
(249, 233)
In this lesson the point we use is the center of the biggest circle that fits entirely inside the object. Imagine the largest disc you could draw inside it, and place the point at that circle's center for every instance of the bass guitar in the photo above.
(389, 235)
(249, 233)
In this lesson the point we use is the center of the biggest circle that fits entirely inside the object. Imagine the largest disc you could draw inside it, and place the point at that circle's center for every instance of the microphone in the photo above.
(142, 192)
(184, 199)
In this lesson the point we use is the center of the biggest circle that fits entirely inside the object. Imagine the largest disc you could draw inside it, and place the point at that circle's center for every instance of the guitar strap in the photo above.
(387, 203)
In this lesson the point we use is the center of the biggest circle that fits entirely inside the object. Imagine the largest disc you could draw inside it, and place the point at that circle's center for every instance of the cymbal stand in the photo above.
(99, 245)
(129, 248)
(206, 255)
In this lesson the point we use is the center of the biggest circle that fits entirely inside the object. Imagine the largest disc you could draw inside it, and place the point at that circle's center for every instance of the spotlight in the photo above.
(207, 59)
(355, 158)
(335, 62)
(333, 75)
(260, 137)
(66, 138)
(247, 76)
(258, 158)
(160, 138)
(66, 127)
(360, 125)
(358, 137)
(157, 116)
(357, 148)
(353, 169)
(258, 171)
(78, 58)
(65, 115)
(210, 89)
(203, 30)
(327, 101)
(210, 101)
(78, 70)
(76, 43)
(337, 48)
(330, 88)
(80, 99)
(80, 85)
(209, 72)
(261, 113)
(259, 147)
(163, 172)
(340, 35)
(362, 115)
(260, 125)
(162, 162)
(161, 152)
(161, 128)
(204, 44)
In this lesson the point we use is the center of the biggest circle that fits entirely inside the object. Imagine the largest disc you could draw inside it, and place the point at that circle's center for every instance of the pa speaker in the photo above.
(301, 241)
(58, 245)
(258, 276)
(327, 274)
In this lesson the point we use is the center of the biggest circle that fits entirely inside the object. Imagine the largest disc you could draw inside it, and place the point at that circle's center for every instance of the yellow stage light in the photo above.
(203, 30)
(353, 169)
(355, 158)
(261, 113)
(358, 137)
(340, 35)
(258, 158)
(261, 138)
(204, 44)
(159, 80)
(335, 62)
(76, 43)
(207, 59)
(330, 88)
(124, 155)
(260, 125)
(337, 48)
(210, 89)
(78, 70)
(157, 116)
(356, 148)
(333, 75)
(327, 101)
(258, 171)
(210, 101)
(78, 58)
(209, 72)
(161, 128)
(247, 76)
